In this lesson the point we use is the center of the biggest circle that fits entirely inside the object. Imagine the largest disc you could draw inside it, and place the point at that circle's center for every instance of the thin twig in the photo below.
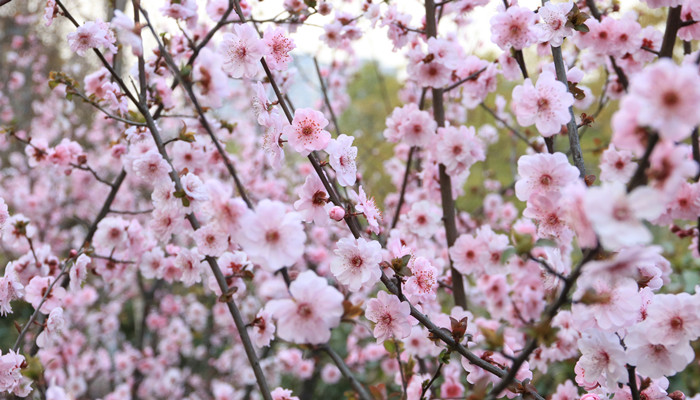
(343, 367)
(326, 99)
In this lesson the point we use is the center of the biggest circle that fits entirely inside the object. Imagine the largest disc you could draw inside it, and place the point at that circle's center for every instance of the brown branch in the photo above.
(673, 23)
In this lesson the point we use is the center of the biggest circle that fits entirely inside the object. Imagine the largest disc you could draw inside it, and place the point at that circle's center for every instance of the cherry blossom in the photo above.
(390, 315)
(313, 310)
(546, 104)
(313, 203)
(357, 263)
(342, 156)
(553, 23)
(306, 132)
(543, 173)
(514, 28)
(91, 35)
(242, 51)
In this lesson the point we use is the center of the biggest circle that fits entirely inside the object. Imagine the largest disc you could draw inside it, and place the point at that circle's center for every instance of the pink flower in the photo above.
(553, 19)
(36, 289)
(543, 173)
(337, 213)
(190, 266)
(242, 51)
(111, 234)
(356, 264)
(278, 48)
(423, 219)
(151, 167)
(193, 187)
(127, 32)
(262, 330)
(617, 216)
(166, 220)
(314, 309)
(272, 237)
(313, 203)
(602, 358)
(513, 28)
(672, 319)
(10, 289)
(468, 254)
(78, 272)
(271, 140)
(616, 165)
(54, 328)
(616, 304)
(341, 156)
(211, 240)
(91, 35)
(11, 378)
(656, 360)
(422, 285)
(4, 215)
(458, 149)
(306, 132)
(391, 317)
(670, 108)
(367, 206)
(545, 209)
(546, 104)
(282, 394)
(418, 129)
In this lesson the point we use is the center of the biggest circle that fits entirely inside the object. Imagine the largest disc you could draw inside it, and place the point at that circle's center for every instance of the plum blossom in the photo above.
(458, 149)
(78, 272)
(194, 187)
(127, 32)
(211, 240)
(278, 48)
(367, 206)
(313, 203)
(616, 165)
(36, 290)
(91, 35)
(307, 133)
(671, 319)
(10, 289)
(468, 254)
(341, 156)
(151, 167)
(313, 310)
(671, 108)
(282, 394)
(55, 324)
(543, 173)
(546, 104)
(553, 23)
(273, 237)
(656, 360)
(188, 263)
(617, 216)
(11, 378)
(422, 284)
(391, 317)
(423, 219)
(513, 28)
(4, 214)
(602, 358)
(357, 263)
(262, 330)
(242, 51)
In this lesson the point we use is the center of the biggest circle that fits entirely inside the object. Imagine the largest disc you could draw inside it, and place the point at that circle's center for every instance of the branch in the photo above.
(356, 385)
(202, 118)
(571, 126)
(673, 23)
(471, 77)
(404, 184)
(516, 132)
(448, 202)
(639, 178)
(326, 99)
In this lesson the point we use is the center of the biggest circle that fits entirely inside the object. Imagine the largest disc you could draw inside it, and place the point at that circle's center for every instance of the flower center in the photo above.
(272, 236)
(304, 310)
(319, 198)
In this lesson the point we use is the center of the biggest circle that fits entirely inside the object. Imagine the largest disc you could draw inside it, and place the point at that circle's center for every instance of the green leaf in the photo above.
(581, 28)
(507, 253)
(179, 194)
(185, 202)
(390, 346)
(545, 243)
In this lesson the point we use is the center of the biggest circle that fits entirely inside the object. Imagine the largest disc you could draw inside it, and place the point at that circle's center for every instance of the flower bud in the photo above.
(337, 213)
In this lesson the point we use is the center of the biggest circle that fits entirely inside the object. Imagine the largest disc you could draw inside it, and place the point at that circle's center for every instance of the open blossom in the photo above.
(193, 187)
(78, 272)
(672, 319)
(211, 240)
(602, 358)
(458, 149)
(271, 140)
(55, 324)
(314, 309)
(367, 206)
(313, 203)
(656, 360)
(127, 32)
(151, 167)
(423, 219)
(36, 289)
(10, 289)
(546, 104)
(242, 51)
(307, 133)
(390, 315)
(552, 26)
(278, 48)
(91, 35)
(617, 216)
(11, 378)
(262, 330)
(614, 305)
(468, 254)
(672, 107)
(422, 284)
(111, 234)
(617, 165)
(543, 173)
(357, 263)
(190, 267)
(513, 28)
(341, 156)
(282, 394)
(272, 237)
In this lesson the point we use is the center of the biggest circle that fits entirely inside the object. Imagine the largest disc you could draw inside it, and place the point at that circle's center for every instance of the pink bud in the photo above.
(337, 213)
